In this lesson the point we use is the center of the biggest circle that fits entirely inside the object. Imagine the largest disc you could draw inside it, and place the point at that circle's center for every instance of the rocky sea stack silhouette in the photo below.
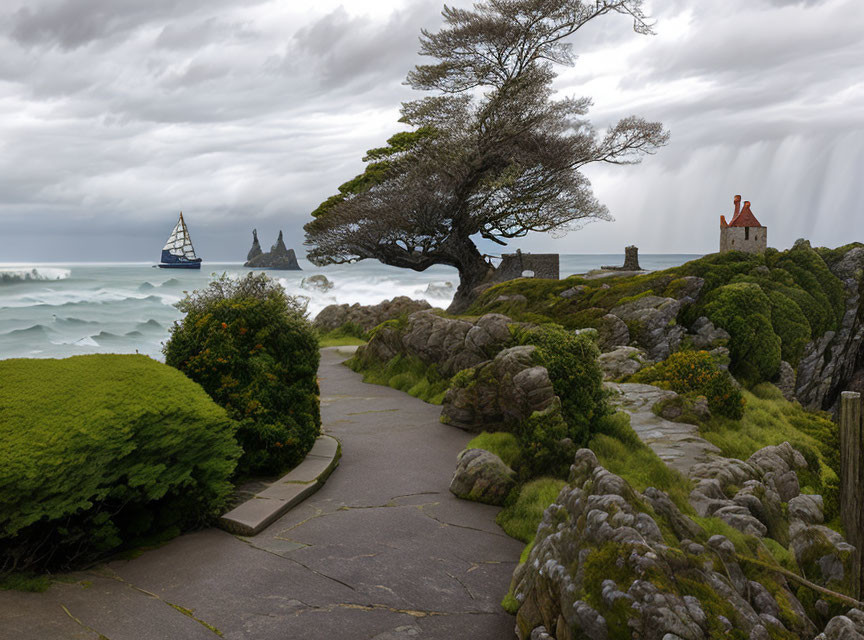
(279, 256)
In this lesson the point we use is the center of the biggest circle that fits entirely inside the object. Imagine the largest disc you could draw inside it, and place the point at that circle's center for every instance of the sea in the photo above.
(61, 310)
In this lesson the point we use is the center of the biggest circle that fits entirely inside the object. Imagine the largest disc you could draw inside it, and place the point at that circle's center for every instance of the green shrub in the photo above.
(744, 311)
(521, 518)
(542, 444)
(577, 379)
(697, 373)
(502, 444)
(724, 398)
(251, 348)
(102, 452)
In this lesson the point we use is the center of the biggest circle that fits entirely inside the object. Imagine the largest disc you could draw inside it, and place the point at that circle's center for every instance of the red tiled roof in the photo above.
(745, 218)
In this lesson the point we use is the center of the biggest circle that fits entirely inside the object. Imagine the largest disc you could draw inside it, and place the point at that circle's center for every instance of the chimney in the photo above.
(737, 206)
(746, 206)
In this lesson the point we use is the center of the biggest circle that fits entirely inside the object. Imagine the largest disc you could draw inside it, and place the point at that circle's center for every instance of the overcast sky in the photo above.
(117, 114)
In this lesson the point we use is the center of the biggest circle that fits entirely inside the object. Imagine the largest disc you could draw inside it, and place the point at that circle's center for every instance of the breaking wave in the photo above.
(11, 276)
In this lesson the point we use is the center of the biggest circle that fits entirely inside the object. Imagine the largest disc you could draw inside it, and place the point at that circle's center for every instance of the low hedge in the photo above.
(101, 452)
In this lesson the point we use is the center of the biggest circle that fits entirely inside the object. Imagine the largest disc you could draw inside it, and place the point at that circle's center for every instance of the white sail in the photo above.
(179, 243)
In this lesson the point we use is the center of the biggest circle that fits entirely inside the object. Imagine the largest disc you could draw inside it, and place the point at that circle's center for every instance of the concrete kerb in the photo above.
(270, 504)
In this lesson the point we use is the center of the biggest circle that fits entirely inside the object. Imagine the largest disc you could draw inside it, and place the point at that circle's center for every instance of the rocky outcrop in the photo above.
(500, 392)
(830, 362)
(255, 251)
(847, 627)
(651, 321)
(622, 362)
(482, 476)
(612, 332)
(317, 282)
(369, 316)
(451, 345)
(279, 257)
(602, 568)
(704, 335)
(753, 496)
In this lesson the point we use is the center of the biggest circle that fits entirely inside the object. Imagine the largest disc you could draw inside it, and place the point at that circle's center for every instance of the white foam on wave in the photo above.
(348, 289)
(35, 274)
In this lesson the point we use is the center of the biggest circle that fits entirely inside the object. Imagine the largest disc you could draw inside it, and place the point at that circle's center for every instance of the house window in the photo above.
(746, 233)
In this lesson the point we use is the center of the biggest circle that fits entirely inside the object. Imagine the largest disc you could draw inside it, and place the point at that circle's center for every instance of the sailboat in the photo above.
(178, 252)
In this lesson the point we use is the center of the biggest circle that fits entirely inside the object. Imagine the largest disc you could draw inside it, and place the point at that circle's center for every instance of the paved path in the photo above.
(382, 551)
(678, 444)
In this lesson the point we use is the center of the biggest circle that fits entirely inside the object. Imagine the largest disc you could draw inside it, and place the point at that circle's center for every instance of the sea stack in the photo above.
(255, 251)
(279, 257)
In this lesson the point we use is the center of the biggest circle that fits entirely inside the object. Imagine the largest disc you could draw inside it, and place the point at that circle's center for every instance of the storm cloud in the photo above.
(114, 116)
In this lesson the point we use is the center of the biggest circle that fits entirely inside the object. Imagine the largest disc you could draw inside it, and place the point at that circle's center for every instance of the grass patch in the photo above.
(620, 451)
(502, 444)
(520, 519)
(339, 341)
(29, 582)
(408, 374)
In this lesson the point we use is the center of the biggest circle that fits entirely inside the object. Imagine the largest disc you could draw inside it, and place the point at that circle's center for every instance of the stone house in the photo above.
(743, 232)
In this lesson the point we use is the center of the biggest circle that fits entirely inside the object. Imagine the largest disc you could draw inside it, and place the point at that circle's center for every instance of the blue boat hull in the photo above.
(173, 262)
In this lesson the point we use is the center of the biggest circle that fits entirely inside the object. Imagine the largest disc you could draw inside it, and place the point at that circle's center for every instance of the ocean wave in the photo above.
(36, 329)
(11, 276)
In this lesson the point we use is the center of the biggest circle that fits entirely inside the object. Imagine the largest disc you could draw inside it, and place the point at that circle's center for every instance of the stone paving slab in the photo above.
(678, 444)
(268, 505)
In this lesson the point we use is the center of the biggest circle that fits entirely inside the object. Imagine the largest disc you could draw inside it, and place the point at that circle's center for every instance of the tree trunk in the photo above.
(472, 273)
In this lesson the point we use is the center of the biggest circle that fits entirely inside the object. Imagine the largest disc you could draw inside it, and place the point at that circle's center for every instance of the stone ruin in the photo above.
(631, 260)
(527, 265)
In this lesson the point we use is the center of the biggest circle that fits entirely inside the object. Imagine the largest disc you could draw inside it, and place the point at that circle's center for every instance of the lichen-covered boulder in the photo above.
(847, 627)
(704, 335)
(651, 320)
(622, 362)
(369, 316)
(612, 332)
(482, 476)
(449, 344)
(500, 392)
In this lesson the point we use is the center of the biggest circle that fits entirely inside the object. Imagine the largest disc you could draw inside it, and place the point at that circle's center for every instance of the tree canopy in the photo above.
(491, 154)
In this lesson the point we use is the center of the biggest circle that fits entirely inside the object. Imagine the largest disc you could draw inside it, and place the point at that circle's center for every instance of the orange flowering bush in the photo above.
(251, 347)
(697, 373)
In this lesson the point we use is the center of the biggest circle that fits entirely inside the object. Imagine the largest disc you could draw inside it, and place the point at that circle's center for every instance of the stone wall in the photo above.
(513, 265)
(748, 239)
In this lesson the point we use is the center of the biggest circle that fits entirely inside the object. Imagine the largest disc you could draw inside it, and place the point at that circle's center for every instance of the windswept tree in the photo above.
(491, 154)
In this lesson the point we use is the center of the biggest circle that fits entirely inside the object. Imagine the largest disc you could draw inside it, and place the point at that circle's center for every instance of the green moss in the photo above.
(521, 518)
(406, 373)
(502, 444)
(510, 604)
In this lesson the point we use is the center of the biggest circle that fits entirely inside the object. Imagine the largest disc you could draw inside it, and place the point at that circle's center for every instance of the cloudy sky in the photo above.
(117, 114)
